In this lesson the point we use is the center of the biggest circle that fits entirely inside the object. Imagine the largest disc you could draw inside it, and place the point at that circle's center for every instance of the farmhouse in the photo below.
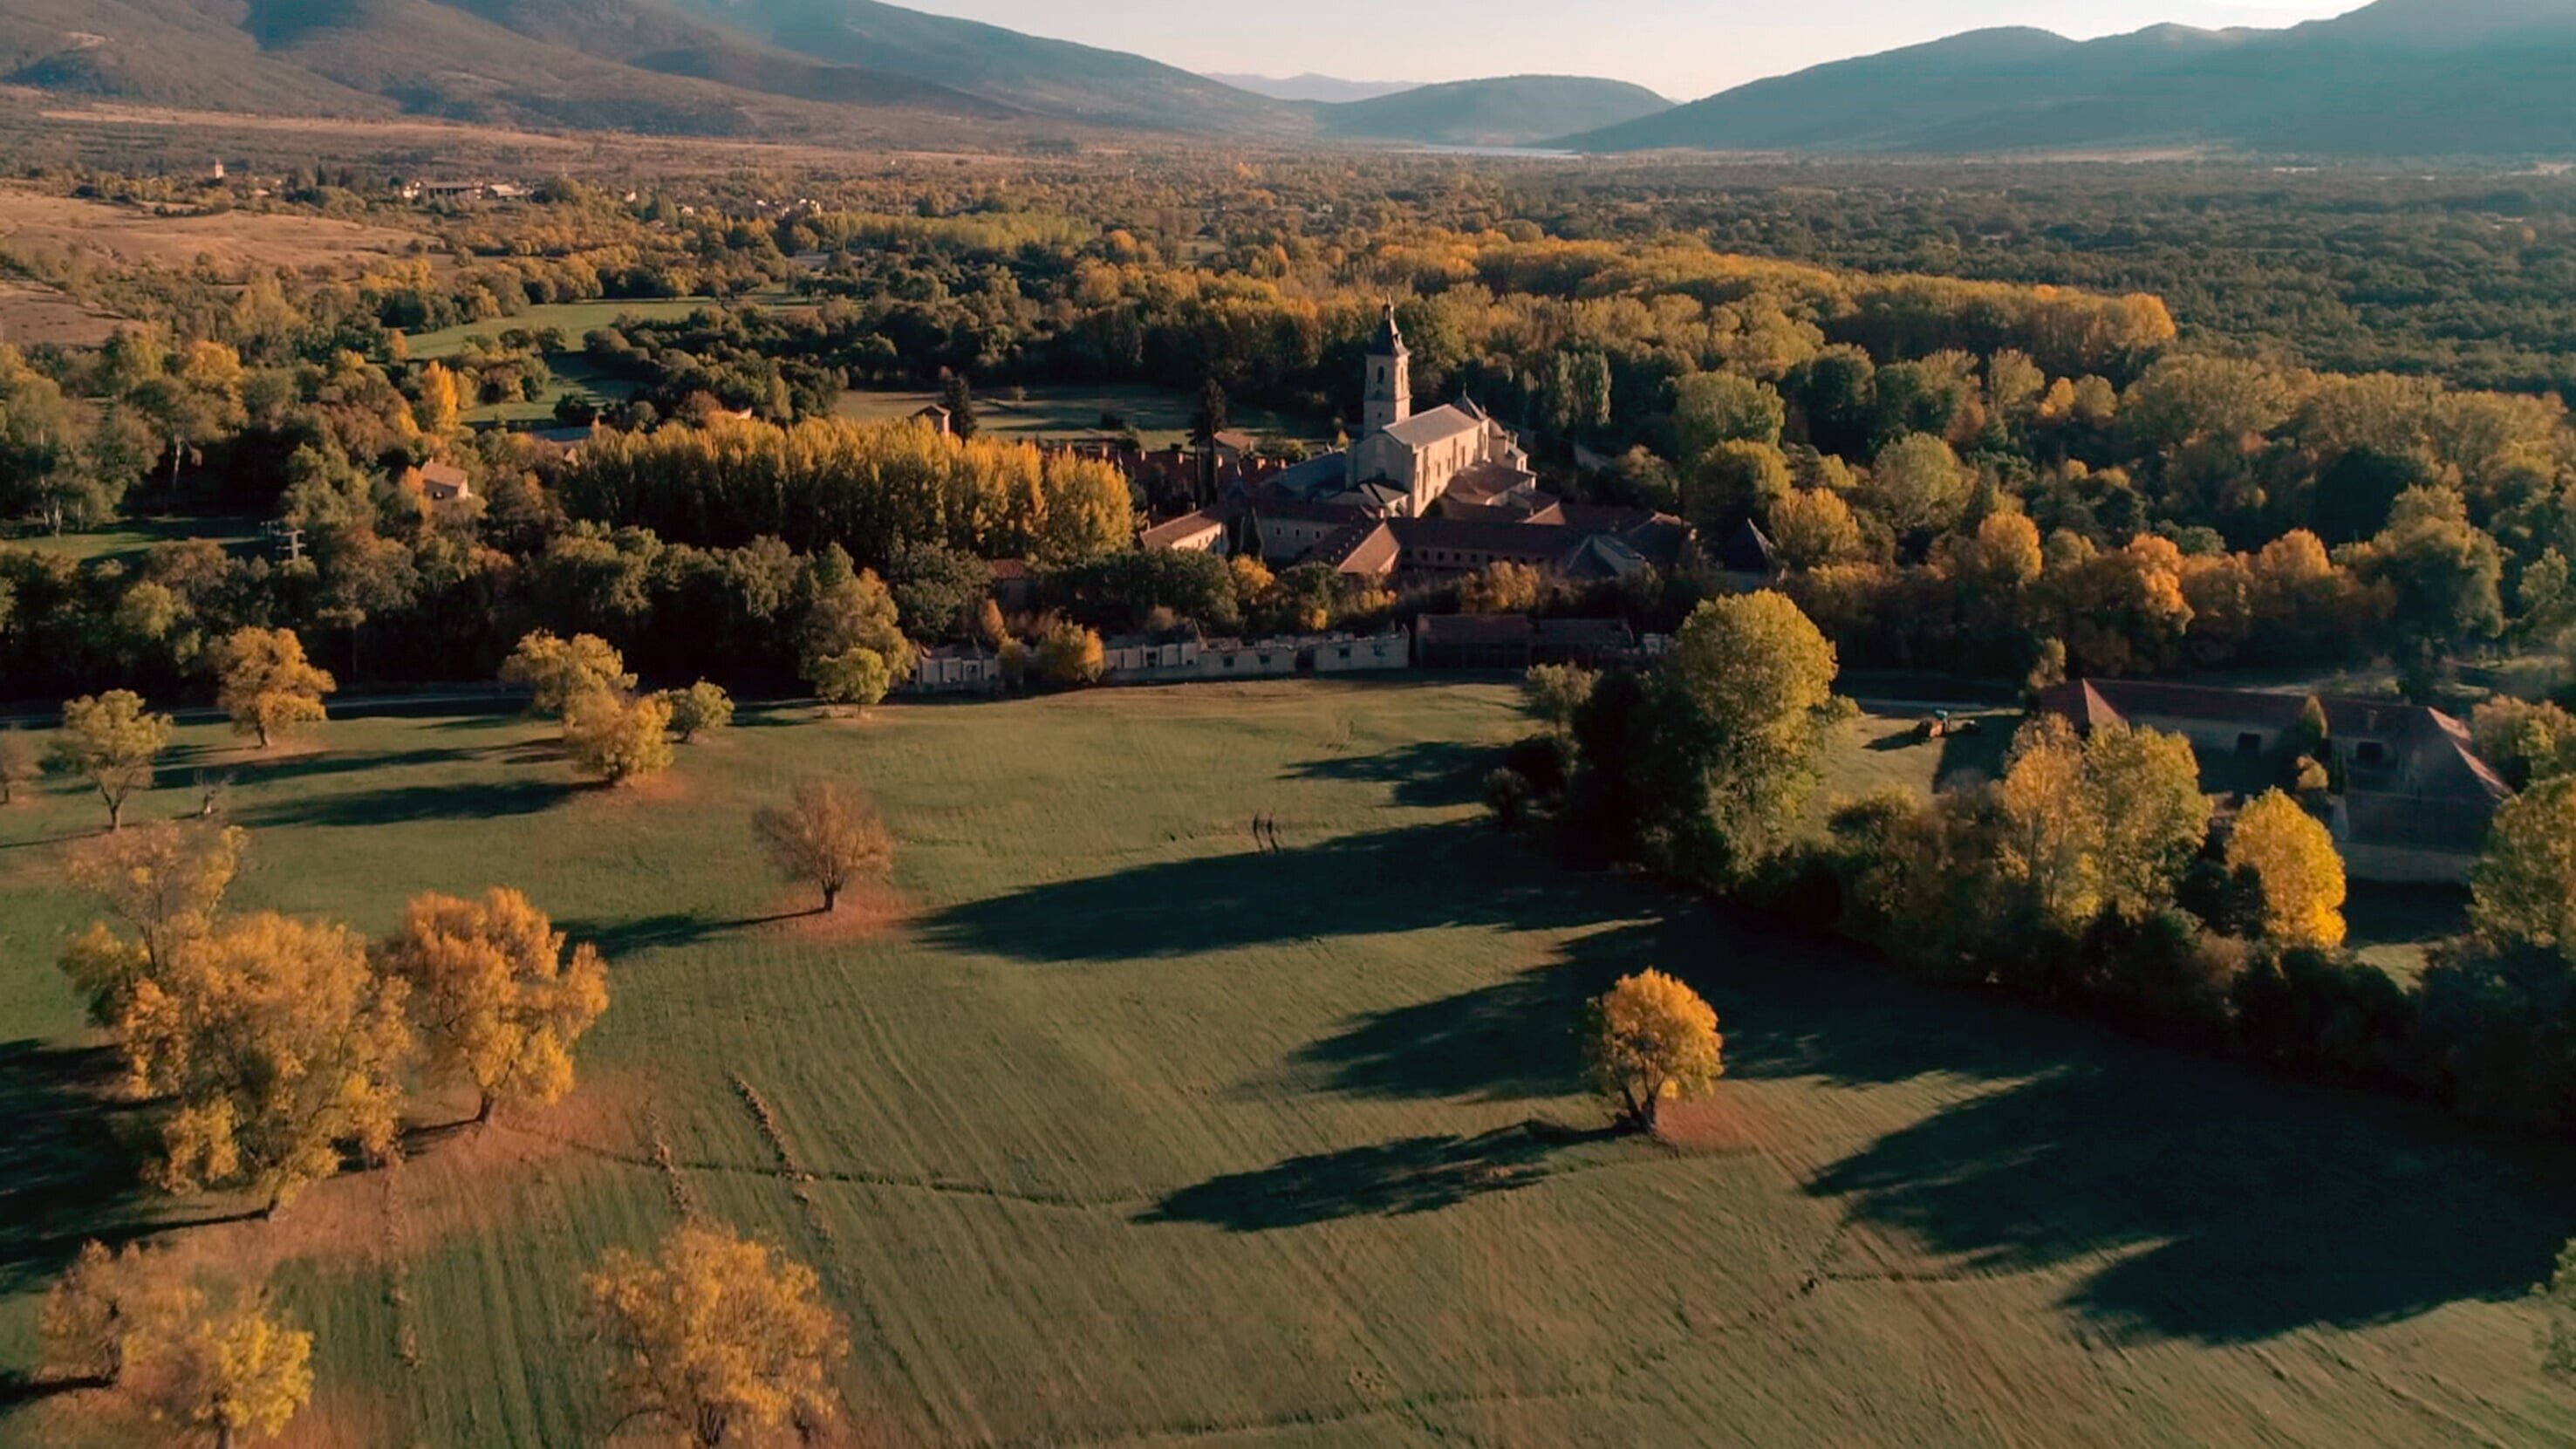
(2417, 801)
(439, 482)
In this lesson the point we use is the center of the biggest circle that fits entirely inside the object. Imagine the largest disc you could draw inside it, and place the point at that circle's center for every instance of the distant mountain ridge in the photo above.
(1321, 89)
(2396, 78)
(1505, 111)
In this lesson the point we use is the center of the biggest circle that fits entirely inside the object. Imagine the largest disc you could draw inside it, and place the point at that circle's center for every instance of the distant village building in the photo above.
(1200, 532)
(439, 482)
(2417, 802)
(937, 419)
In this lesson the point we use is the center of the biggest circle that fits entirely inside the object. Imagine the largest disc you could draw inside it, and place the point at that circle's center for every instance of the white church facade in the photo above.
(1404, 462)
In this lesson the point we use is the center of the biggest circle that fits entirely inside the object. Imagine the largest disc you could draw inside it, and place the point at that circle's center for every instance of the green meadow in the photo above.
(1105, 1126)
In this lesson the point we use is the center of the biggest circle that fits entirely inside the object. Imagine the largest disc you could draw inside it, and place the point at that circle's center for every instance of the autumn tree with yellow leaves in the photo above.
(717, 1334)
(618, 737)
(111, 741)
(2293, 859)
(264, 682)
(164, 881)
(202, 1357)
(2097, 823)
(556, 672)
(496, 1001)
(1652, 1040)
(276, 1049)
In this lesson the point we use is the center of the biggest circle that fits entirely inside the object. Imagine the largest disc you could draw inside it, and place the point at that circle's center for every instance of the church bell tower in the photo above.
(1390, 379)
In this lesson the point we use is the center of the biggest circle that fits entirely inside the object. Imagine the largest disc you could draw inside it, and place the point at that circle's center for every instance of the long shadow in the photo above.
(2245, 1210)
(257, 771)
(1391, 1179)
(66, 1171)
(616, 939)
(1427, 773)
(2190, 1198)
(409, 803)
(1396, 880)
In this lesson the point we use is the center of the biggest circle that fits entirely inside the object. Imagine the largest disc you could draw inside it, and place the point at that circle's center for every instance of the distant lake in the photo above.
(1533, 152)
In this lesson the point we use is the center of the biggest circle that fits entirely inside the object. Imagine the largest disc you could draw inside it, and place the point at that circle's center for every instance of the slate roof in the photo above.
(2447, 805)
(1436, 426)
(1389, 341)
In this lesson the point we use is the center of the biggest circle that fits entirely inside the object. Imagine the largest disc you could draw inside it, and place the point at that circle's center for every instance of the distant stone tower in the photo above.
(1390, 380)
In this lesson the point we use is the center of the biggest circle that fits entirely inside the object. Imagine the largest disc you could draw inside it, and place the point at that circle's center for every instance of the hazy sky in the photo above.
(1683, 48)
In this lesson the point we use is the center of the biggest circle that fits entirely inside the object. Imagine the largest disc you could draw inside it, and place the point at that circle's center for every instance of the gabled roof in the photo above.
(1436, 426)
(2446, 763)
(1600, 556)
(1182, 529)
(1367, 548)
(1747, 551)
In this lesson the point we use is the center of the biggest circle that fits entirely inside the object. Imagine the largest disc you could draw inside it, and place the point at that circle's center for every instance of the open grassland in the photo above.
(1104, 1127)
(1070, 414)
(35, 315)
(129, 539)
(38, 222)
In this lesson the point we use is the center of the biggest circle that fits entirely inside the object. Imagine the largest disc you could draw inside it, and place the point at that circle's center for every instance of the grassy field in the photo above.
(131, 538)
(1105, 1128)
(573, 319)
(1058, 414)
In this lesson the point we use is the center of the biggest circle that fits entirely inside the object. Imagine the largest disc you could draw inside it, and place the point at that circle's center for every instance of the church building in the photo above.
(1403, 462)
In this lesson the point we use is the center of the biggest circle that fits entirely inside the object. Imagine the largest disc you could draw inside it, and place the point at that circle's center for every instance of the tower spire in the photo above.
(1389, 398)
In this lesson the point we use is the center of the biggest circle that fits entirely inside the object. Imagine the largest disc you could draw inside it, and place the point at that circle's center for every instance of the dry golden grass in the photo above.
(33, 221)
(32, 315)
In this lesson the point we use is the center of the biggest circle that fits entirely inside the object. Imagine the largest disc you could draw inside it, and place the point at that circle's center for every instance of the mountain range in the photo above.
(1312, 87)
(710, 67)
(2397, 78)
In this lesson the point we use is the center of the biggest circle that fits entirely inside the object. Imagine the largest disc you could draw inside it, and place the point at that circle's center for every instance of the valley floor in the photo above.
(1105, 1127)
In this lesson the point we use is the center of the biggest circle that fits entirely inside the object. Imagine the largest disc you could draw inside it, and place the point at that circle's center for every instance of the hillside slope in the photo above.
(716, 67)
(578, 64)
(2401, 77)
(1056, 78)
(1506, 111)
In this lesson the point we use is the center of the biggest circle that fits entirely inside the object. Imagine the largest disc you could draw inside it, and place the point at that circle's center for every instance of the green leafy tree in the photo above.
(1760, 678)
(702, 708)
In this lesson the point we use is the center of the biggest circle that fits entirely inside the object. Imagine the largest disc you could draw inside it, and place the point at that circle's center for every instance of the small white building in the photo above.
(1351, 654)
(957, 671)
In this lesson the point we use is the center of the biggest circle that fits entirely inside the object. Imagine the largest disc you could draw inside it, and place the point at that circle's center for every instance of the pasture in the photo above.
(1105, 1127)
(572, 319)
(1074, 414)
(41, 223)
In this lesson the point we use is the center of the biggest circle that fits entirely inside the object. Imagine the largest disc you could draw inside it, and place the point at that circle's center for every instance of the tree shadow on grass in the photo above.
(618, 939)
(400, 804)
(2240, 1209)
(2186, 1198)
(1428, 773)
(1391, 1179)
(256, 770)
(1398, 880)
(68, 1171)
